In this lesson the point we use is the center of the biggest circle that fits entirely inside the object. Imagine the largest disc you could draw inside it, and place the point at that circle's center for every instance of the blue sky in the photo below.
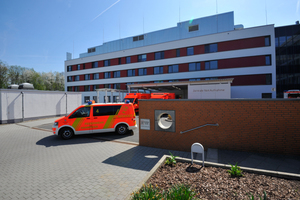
(38, 33)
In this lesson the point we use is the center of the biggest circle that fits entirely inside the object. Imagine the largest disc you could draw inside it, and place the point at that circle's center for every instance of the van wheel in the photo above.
(122, 129)
(66, 133)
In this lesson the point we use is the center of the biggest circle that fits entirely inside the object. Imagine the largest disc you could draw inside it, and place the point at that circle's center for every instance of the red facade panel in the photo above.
(170, 53)
(114, 61)
(183, 52)
(81, 77)
(199, 49)
(150, 56)
(257, 79)
(134, 59)
(184, 67)
(241, 44)
(202, 65)
(123, 86)
(150, 70)
(88, 65)
(242, 62)
(74, 67)
(81, 88)
(123, 60)
(100, 63)
(166, 70)
(123, 73)
(101, 75)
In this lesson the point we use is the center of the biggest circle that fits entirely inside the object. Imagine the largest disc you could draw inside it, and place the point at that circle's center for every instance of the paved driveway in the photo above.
(35, 164)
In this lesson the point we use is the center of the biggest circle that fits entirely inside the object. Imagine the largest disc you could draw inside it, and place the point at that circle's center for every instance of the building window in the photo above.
(94, 64)
(116, 99)
(128, 59)
(108, 99)
(78, 67)
(190, 51)
(267, 41)
(211, 78)
(86, 99)
(173, 68)
(117, 74)
(211, 65)
(173, 80)
(142, 58)
(120, 61)
(159, 55)
(69, 78)
(70, 88)
(69, 68)
(210, 48)
(117, 86)
(268, 60)
(87, 77)
(142, 71)
(90, 50)
(137, 38)
(158, 70)
(177, 52)
(194, 28)
(96, 76)
(77, 78)
(106, 63)
(76, 88)
(106, 74)
(266, 95)
(95, 87)
(195, 79)
(158, 81)
(87, 88)
(269, 79)
(83, 66)
(131, 72)
(107, 86)
(194, 66)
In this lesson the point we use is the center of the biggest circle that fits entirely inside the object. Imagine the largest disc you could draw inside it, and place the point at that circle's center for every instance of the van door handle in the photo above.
(95, 118)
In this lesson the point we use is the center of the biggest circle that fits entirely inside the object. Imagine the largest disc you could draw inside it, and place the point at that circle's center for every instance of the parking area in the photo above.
(34, 164)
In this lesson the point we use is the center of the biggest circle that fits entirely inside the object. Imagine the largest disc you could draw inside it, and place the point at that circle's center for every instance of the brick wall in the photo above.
(270, 126)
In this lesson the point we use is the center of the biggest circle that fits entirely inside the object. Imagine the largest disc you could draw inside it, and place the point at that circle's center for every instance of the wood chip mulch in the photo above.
(216, 183)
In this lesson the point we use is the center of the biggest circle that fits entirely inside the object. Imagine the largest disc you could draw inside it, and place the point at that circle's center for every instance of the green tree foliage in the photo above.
(3, 75)
(41, 81)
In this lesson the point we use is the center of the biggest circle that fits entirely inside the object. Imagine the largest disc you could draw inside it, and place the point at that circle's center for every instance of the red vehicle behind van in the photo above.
(134, 98)
(163, 96)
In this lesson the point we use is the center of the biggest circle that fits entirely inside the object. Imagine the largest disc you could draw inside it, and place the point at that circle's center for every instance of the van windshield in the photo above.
(130, 99)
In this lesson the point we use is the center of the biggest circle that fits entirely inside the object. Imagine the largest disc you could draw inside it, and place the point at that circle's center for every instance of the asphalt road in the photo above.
(132, 138)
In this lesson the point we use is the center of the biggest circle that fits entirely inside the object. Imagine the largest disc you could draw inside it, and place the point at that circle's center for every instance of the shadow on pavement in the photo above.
(142, 158)
(55, 140)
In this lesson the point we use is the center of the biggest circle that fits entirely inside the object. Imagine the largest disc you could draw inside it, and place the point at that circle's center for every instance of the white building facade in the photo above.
(204, 49)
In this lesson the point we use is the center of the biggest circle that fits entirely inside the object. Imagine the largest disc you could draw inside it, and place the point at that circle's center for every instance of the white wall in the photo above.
(209, 91)
(37, 104)
(102, 95)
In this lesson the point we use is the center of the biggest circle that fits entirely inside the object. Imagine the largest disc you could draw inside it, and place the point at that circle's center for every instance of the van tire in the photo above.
(66, 133)
(122, 129)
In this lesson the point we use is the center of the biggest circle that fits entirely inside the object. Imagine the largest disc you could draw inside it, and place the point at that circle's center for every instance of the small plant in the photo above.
(171, 160)
(147, 192)
(180, 192)
(235, 171)
(251, 197)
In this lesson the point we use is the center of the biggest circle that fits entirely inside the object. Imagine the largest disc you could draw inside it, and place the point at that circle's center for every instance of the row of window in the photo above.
(208, 48)
(196, 66)
(268, 81)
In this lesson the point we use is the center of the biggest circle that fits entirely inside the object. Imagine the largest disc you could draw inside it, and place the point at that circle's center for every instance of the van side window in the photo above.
(105, 110)
(81, 112)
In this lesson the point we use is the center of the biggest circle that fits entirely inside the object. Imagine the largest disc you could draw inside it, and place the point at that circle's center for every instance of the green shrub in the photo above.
(235, 171)
(180, 192)
(147, 192)
(251, 197)
(171, 160)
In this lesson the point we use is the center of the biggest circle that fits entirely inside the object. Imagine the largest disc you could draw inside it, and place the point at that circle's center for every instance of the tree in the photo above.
(3, 75)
